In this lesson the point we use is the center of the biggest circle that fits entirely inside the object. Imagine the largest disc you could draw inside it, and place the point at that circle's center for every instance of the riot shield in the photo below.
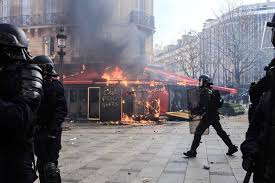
(193, 100)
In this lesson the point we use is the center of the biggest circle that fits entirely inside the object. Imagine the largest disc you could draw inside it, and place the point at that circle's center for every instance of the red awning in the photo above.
(172, 77)
(188, 81)
(82, 78)
(153, 74)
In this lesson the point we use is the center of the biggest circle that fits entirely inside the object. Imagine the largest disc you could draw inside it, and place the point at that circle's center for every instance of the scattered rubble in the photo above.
(145, 180)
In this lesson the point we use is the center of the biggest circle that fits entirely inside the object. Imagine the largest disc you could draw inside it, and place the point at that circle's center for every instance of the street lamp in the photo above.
(61, 43)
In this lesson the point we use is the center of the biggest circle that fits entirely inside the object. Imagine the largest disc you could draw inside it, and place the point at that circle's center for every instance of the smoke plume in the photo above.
(96, 30)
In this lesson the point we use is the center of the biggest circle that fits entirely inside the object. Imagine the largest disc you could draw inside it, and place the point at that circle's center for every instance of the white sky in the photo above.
(175, 17)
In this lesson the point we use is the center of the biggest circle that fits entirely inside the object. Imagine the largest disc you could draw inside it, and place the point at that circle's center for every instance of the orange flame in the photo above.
(126, 118)
(116, 75)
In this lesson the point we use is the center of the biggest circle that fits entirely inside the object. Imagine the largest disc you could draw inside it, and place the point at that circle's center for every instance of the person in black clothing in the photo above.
(51, 114)
(20, 95)
(258, 148)
(210, 102)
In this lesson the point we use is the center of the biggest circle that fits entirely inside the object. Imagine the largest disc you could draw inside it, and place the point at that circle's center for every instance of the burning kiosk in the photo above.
(113, 95)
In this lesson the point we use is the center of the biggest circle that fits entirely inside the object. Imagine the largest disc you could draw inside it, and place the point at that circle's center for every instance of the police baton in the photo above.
(248, 176)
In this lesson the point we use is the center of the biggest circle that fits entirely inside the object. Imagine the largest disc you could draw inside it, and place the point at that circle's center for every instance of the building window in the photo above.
(4, 8)
(50, 10)
(141, 5)
(26, 7)
(50, 6)
(49, 44)
(76, 46)
(26, 11)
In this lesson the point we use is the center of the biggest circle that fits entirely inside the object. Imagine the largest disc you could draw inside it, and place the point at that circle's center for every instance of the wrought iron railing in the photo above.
(142, 19)
(34, 20)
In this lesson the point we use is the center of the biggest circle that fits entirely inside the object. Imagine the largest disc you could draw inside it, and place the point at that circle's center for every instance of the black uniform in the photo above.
(17, 112)
(20, 96)
(16, 156)
(258, 148)
(51, 115)
(210, 102)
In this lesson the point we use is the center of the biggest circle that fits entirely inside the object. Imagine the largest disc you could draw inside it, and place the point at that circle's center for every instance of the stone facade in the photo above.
(41, 20)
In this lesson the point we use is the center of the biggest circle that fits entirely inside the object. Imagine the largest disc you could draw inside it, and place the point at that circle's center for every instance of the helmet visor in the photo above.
(10, 40)
(201, 82)
(268, 39)
(48, 70)
(15, 53)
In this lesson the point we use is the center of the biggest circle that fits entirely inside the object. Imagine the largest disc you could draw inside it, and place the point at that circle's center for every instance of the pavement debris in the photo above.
(145, 180)
(147, 157)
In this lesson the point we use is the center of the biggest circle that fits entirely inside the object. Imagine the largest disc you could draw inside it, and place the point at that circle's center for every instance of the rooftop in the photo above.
(252, 9)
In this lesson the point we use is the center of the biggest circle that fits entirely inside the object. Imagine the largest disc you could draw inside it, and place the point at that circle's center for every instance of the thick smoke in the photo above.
(98, 43)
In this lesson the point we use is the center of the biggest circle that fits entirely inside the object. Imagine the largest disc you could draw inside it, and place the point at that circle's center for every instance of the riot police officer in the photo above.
(50, 117)
(20, 95)
(210, 102)
(258, 148)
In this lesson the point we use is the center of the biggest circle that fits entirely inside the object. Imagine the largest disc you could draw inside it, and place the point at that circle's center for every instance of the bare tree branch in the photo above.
(235, 42)
(188, 55)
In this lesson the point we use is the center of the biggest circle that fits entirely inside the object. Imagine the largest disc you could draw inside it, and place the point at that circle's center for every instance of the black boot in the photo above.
(232, 150)
(190, 154)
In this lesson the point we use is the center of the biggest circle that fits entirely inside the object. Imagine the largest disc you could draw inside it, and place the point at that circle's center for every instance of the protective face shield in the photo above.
(9, 54)
(201, 83)
(268, 39)
(48, 71)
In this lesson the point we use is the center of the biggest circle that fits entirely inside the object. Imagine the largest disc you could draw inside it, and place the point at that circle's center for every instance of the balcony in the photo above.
(143, 20)
(34, 20)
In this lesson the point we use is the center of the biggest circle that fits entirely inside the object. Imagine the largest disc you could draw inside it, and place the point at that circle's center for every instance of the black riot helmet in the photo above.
(272, 26)
(47, 65)
(204, 80)
(13, 44)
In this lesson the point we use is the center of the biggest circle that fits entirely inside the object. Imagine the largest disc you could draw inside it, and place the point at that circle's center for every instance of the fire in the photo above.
(149, 111)
(126, 118)
(141, 107)
(124, 82)
(113, 76)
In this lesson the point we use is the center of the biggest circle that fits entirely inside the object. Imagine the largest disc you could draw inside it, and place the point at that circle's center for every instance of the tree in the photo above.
(235, 45)
(187, 57)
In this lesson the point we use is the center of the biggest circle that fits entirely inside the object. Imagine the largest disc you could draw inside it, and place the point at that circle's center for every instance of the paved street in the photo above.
(153, 154)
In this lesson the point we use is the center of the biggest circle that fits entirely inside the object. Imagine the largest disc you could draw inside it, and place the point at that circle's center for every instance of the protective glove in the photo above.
(248, 162)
